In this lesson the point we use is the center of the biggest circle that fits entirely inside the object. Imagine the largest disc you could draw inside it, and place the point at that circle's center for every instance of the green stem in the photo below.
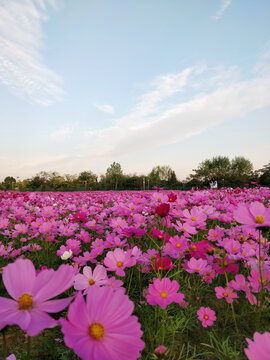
(28, 348)
(4, 344)
(232, 307)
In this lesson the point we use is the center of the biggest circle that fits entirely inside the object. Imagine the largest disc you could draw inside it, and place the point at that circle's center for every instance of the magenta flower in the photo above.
(160, 350)
(103, 327)
(259, 349)
(254, 214)
(31, 294)
(206, 316)
(88, 278)
(163, 292)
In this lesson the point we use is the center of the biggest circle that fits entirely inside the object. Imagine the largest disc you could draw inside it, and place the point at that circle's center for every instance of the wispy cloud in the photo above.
(109, 109)
(22, 68)
(224, 5)
(172, 111)
(63, 132)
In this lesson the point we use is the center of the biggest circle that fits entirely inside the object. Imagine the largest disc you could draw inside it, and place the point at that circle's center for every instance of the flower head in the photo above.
(163, 292)
(103, 327)
(259, 349)
(31, 294)
(206, 316)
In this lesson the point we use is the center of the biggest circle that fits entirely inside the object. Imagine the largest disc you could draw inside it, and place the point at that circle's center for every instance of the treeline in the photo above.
(237, 172)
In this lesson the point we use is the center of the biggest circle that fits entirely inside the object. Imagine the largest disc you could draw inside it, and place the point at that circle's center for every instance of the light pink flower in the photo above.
(206, 316)
(31, 294)
(259, 349)
(118, 260)
(89, 278)
(163, 292)
(103, 327)
(254, 214)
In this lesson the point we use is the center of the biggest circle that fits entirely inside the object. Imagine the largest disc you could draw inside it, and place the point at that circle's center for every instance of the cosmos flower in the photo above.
(254, 214)
(31, 294)
(259, 349)
(163, 292)
(206, 316)
(103, 327)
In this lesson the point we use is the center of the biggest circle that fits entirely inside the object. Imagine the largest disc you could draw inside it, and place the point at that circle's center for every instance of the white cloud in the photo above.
(109, 109)
(63, 132)
(220, 95)
(224, 5)
(22, 68)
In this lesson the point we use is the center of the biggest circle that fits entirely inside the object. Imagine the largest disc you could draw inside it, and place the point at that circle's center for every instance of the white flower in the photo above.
(66, 255)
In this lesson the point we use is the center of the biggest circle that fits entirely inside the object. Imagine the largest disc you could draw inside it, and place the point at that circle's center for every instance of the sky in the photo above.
(141, 82)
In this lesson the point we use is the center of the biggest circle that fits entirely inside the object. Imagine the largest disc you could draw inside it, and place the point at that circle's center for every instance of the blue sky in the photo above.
(144, 83)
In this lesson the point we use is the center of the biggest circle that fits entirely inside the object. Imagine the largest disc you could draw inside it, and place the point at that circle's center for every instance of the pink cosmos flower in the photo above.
(196, 265)
(254, 214)
(118, 260)
(163, 292)
(225, 293)
(206, 316)
(89, 278)
(259, 349)
(103, 327)
(31, 294)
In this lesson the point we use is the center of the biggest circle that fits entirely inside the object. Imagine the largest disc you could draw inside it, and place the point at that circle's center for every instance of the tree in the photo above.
(114, 174)
(216, 168)
(162, 175)
(264, 178)
(227, 173)
(241, 171)
(88, 177)
(8, 182)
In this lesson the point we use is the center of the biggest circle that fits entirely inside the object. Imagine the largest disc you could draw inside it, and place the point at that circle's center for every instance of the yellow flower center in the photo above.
(91, 282)
(96, 331)
(259, 219)
(225, 294)
(25, 302)
(178, 245)
(193, 248)
(206, 317)
(197, 269)
(233, 249)
(119, 263)
(184, 229)
(163, 294)
(193, 218)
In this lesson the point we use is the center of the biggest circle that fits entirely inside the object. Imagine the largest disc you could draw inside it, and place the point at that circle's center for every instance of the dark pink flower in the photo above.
(162, 209)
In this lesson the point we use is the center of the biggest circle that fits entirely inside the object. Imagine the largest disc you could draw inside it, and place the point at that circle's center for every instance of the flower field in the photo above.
(135, 275)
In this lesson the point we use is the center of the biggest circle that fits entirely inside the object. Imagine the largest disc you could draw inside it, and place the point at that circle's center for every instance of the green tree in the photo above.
(264, 177)
(241, 171)
(9, 182)
(216, 168)
(162, 176)
(114, 175)
(88, 178)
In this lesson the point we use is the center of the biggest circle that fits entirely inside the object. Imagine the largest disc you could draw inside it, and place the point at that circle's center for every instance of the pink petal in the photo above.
(39, 321)
(19, 277)
(54, 306)
(61, 280)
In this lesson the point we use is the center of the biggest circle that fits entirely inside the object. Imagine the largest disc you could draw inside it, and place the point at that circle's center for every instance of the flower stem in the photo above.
(232, 307)
(4, 344)
(28, 348)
